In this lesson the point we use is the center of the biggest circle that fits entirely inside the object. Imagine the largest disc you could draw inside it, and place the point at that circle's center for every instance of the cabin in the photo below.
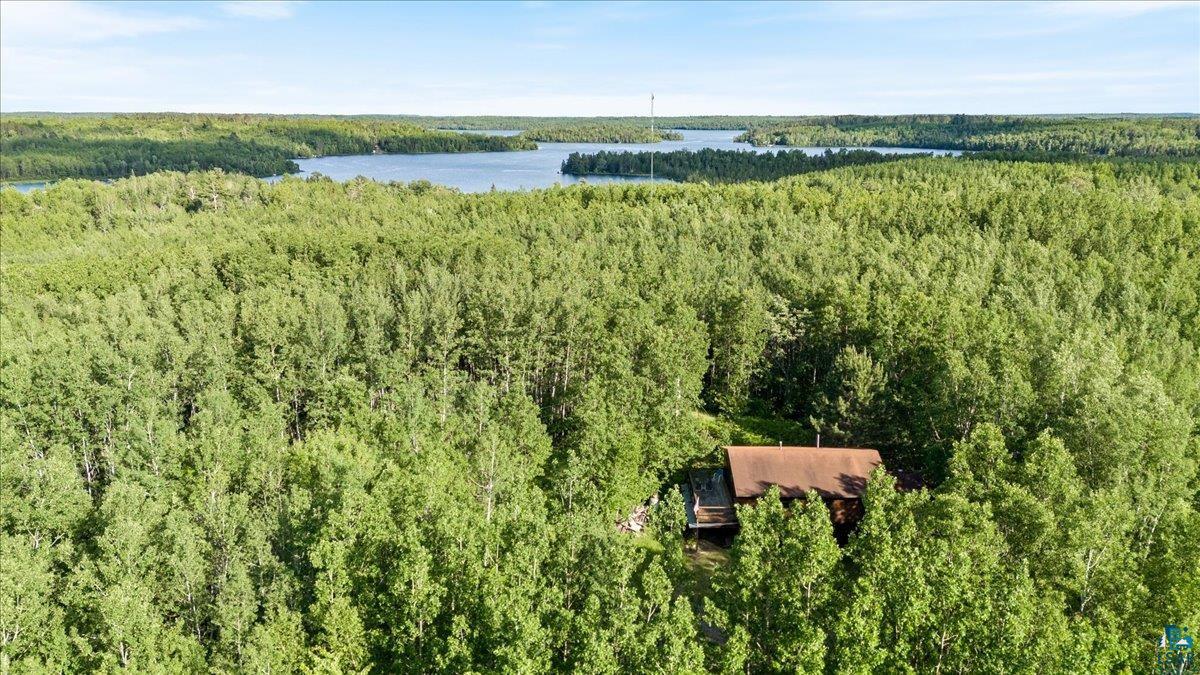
(839, 475)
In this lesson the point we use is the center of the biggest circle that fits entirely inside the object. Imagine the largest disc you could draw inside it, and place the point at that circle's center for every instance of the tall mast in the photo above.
(651, 140)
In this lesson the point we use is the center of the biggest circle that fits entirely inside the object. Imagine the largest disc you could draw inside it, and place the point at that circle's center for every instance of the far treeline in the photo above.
(484, 122)
(600, 133)
(40, 147)
(1128, 136)
(720, 166)
(44, 146)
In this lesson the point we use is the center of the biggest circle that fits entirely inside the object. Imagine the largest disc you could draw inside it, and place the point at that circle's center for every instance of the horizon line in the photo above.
(406, 114)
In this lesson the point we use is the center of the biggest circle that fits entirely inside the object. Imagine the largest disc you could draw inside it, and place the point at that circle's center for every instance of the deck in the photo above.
(708, 502)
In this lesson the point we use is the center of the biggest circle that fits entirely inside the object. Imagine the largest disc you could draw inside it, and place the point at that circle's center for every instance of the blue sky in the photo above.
(542, 58)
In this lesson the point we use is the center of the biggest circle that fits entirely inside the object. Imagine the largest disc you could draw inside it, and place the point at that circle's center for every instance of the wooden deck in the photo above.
(709, 502)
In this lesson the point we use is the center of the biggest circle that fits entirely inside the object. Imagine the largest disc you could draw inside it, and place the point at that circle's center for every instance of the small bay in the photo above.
(521, 170)
(483, 171)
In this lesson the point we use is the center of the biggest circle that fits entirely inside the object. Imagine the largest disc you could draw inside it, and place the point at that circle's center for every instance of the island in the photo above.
(719, 166)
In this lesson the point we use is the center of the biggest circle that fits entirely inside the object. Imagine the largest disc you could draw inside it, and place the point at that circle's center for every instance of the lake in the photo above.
(481, 171)
(527, 169)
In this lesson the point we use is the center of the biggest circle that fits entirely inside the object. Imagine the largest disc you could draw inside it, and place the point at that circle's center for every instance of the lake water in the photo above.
(527, 169)
(27, 186)
(481, 171)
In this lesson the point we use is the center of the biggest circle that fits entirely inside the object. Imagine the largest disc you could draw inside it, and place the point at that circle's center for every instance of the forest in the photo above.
(107, 146)
(718, 166)
(340, 427)
(46, 147)
(485, 122)
(1125, 136)
(749, 122)
(600, 133)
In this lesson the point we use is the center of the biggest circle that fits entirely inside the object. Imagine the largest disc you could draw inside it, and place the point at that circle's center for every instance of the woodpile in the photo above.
(636, 522)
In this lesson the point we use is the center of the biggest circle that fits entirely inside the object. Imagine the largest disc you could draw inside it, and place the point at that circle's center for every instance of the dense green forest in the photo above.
(718, 166)
(600, 133)
(51, 147)
(54, 146)
(484, 122)
(343, 426)
(1114, 136)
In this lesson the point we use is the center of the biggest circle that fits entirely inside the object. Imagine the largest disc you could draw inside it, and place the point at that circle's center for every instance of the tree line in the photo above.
(106, 146)
(1107, 135)
(484, 122)
(600, 133)
(53, 147)
(718, 166)
(345, 426)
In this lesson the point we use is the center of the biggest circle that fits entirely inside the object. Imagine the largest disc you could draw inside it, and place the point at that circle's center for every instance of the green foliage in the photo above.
(780, 585)
(44, 147)
(717, 166)
(345, 426)
(751, 430)
(486, 122)
(599, 133)
(933, 588)
(1026, 135)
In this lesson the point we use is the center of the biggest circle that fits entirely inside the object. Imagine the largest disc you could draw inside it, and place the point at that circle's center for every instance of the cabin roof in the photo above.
(835, 473)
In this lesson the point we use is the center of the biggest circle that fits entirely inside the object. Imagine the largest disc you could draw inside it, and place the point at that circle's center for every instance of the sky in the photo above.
(549, 58)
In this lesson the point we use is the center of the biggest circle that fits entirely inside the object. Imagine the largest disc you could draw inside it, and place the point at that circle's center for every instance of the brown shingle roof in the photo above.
(832, 472)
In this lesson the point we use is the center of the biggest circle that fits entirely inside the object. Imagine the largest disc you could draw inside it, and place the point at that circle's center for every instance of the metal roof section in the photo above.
(834, 473)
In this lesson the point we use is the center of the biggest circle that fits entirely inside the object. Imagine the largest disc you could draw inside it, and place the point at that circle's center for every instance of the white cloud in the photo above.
(1076, 75)
(84, 56)
(1112, 8)
(76, 22)
(872, 9)
(908, 10)
(260, 9)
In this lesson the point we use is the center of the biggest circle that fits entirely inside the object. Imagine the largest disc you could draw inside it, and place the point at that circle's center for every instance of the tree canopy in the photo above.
(717, 166)
(600, 133)
(354, 426)
(52, 147)
(1125, 136)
